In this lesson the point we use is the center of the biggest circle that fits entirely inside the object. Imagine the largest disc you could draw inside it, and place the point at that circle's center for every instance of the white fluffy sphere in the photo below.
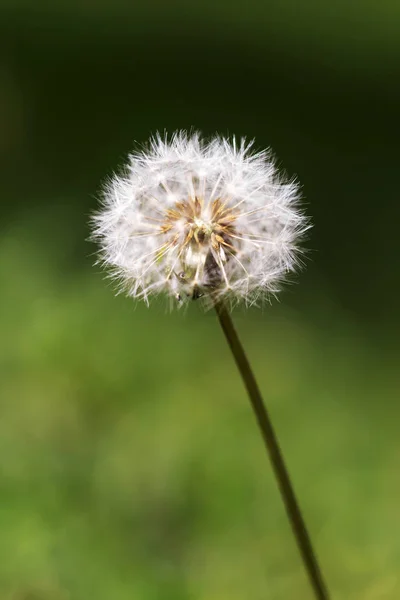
(193, 218)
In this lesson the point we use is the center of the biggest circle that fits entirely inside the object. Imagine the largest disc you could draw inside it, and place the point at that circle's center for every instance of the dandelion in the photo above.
(192, 219)
(212, 220)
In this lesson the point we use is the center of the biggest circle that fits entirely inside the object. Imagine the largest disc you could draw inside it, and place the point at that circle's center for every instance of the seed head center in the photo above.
(202, 226)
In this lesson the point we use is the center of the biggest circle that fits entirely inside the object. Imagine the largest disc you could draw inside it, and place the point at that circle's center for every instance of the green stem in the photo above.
(271, 442)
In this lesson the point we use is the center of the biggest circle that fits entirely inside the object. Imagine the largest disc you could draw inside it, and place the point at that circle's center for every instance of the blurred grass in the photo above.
(131, 465)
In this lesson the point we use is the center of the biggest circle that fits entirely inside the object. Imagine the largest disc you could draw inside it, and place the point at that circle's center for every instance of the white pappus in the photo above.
(192, 218)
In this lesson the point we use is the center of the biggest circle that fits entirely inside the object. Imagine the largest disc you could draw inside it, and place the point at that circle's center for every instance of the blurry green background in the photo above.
(130, 462)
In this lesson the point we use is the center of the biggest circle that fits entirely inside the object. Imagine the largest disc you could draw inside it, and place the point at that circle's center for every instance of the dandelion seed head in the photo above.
(192, 218)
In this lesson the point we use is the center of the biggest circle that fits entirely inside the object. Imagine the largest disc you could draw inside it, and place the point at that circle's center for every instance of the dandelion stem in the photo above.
(275, 454)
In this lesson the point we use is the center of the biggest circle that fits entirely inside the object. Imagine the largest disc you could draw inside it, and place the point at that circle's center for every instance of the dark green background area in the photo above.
(130, 465)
